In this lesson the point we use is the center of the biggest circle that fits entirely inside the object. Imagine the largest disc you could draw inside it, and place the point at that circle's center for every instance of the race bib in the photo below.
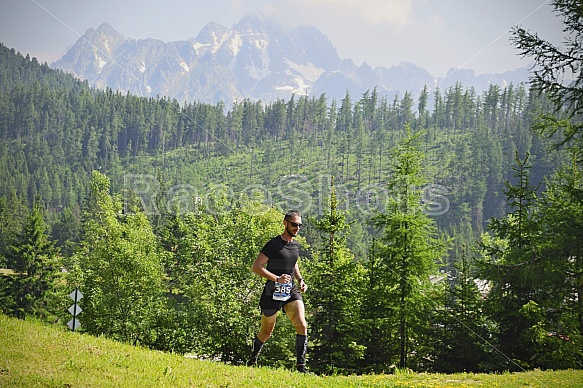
(282, 291)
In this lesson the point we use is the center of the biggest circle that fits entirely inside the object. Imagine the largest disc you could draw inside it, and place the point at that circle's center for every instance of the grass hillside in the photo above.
(34, 354)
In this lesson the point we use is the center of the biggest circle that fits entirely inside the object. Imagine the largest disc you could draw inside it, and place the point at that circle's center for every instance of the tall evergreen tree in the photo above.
(555, 66)
(13, 211)
(35, 261)
(68, 228)
(336, 288)
(404, 259)
(559, 333)
(532, 265)
(508, 265)
(558, 71)
(465, 335)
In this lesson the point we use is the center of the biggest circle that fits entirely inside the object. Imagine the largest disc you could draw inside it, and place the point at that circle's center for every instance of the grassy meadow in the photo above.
(33, 354)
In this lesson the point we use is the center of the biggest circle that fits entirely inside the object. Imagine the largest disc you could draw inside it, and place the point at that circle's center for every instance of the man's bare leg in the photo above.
(296, 313)
(267, 326)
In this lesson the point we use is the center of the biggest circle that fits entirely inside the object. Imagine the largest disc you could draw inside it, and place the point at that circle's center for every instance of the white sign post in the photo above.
(75, 309)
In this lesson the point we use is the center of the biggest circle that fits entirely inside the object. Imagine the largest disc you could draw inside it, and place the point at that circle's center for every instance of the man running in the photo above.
(278, 263)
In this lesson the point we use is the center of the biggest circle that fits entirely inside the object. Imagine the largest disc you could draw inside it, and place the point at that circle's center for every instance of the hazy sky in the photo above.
(434, 34)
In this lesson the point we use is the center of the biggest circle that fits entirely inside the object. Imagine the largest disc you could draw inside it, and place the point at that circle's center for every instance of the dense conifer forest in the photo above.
(56, 130)
(450, 223)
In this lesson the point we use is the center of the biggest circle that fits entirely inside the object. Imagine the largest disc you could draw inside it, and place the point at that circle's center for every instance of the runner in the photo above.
(278, 263)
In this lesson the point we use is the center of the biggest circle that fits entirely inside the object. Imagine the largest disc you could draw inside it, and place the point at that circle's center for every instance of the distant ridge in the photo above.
(254, 59)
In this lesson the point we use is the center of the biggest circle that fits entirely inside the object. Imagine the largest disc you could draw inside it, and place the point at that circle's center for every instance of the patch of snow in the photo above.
(185, 66)
(303, 77)
(235, 44)
(142, 67)
(100, 63)
(218, 41)
(106, 43)
(264, 60)
(261, 44)
(300, 88)
(287, 87)
(197, 46)
(308, 71)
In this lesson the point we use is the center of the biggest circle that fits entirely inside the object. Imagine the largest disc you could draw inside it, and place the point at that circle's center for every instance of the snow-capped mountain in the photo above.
(253, 59)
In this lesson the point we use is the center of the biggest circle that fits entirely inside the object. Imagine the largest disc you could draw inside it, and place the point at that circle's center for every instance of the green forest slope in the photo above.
(439, 234)
(56, 130)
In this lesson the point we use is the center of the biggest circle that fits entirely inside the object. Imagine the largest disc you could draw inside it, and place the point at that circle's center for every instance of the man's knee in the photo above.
(264, 336)
(299, 321)
(267, 330)
(302, 327)
(267, 326)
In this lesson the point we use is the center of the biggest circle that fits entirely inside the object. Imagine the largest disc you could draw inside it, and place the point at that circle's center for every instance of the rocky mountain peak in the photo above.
(211, 34)
(105, 37)
(254, 23)
(255, 58)
(107, 29)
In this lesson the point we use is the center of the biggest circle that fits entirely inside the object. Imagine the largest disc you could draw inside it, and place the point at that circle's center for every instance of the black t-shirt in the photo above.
(282, 255)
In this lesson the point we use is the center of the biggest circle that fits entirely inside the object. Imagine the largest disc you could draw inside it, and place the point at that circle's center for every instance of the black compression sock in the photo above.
(257, 345)
(301, 348)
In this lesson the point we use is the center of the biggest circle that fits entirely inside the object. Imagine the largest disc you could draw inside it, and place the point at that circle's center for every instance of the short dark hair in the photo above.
(292, 214)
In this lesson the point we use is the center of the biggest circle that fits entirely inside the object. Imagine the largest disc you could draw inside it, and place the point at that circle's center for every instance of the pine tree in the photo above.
(35, 261)
(559, 276)
(557, 72)
(508, 261)
(13, 212)
(464, 333)
(404, 259)
(557, 64)
(336, 286)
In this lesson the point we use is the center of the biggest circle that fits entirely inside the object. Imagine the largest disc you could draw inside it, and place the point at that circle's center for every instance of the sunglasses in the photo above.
(294, 224)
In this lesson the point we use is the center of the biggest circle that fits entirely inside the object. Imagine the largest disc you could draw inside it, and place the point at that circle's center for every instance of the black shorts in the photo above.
(270, 306)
